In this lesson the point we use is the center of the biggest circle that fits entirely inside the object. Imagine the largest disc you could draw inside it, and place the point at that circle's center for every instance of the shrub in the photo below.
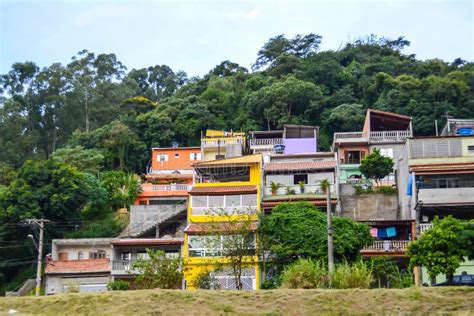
(357, 275)
(305, 274)
(386, 190)
(205, 281)
(118, 285)
(158, 271)
(401, 279)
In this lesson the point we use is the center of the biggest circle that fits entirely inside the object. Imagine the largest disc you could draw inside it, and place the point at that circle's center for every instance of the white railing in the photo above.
(169, 171)
(350, 136)
(167, 187)
(296, 189)
(389, 136)
(267, 142)
(373, 136)
(387, 246)
(223, 210)
(424, 227)
(123, 267)
(211, 142)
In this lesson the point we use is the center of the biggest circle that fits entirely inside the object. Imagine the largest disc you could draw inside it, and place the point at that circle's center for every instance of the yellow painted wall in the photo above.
(193, 266)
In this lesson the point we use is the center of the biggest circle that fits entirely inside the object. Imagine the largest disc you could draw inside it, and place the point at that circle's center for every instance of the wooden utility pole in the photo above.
(330, 229)
(40, 224)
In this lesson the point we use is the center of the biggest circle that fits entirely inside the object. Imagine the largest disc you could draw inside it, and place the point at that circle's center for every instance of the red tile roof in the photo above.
(78, 266)
(299, 166)
(203, 228)
(147, 242)
(220, 190)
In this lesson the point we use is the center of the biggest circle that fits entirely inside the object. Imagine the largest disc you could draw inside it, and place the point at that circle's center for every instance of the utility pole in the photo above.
(40, 224)
(330, 229)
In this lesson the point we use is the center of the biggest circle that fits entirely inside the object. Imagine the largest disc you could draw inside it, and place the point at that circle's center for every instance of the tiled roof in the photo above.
(219, 190)
(203, 228)
(299, 166)
(229, 161)
(78, 266)
(404, 117)
(147, 241)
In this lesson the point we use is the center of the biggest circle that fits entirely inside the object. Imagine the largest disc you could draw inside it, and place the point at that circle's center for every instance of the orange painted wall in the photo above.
(342, 150)
(182, 162)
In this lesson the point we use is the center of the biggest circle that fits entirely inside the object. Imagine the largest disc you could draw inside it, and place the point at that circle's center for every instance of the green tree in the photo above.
(442, 248)
(158, 271)
(123, 188)
(88, 160)
(375, 166)
(299, 231)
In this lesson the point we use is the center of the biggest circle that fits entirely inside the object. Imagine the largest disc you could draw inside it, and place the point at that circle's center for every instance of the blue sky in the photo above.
(194, 36)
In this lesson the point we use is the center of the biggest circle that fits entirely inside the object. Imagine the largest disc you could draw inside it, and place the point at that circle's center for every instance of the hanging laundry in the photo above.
(382, 233)
(391, 231)
(373, 232)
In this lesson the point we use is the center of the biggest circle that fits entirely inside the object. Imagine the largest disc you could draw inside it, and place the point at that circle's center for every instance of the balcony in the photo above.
(221, 142)
(170, 172)
(121, 267)
(265, 143)
(387, 246)
(309, 189)
(424, 227)
(167, 187)
(373, 137)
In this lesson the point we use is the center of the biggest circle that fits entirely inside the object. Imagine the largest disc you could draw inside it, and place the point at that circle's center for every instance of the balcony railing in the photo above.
(296, 189)
(167, 187)
(424, 227)
(224, 210)
(387, 246)
(266, 142)
(222, 142)
(123, 267)
(169, 171)
(373, 136)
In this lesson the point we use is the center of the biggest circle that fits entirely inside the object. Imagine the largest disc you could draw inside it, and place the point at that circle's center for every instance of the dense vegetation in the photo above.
(64, 129)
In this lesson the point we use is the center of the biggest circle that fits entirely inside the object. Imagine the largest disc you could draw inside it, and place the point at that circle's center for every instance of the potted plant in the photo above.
(274, 186)
(301, 184)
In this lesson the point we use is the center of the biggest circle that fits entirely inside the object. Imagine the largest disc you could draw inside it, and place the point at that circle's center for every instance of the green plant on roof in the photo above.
(274, 186)
(301, 184)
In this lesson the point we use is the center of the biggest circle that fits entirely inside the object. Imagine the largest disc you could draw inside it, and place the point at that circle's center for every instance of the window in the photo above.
(232, 200)
(353, 157)
(213, 246)
(80, 255)
(126, 256)
(216, 201)
(297, 178)
(143, 255)
(176, 155)
(99, 254)
(470, 149)
(386, 152)
(194, 156)
(218, 157)
(232, 204)
(162, 157)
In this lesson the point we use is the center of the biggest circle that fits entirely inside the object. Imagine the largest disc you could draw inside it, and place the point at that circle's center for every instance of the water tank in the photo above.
(465, 131)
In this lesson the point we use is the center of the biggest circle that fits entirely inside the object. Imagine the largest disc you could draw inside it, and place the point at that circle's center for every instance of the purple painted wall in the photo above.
(300, 145)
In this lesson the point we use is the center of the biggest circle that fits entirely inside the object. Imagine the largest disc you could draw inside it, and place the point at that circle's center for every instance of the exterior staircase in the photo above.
(26, 288)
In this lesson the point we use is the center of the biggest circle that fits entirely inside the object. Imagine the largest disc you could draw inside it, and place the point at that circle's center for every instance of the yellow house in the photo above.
(226, 193)
(220, 144)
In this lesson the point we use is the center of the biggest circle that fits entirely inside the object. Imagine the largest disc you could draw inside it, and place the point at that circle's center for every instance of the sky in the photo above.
(194, 36)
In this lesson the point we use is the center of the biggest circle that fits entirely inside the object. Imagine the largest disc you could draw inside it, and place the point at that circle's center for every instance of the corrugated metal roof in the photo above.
(299, 166)
(237, 189)
(202, 228)
(229, 161)
(78, 266)
(440, 168)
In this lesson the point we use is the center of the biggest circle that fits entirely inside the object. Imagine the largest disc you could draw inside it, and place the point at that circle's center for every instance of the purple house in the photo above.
(299, 139)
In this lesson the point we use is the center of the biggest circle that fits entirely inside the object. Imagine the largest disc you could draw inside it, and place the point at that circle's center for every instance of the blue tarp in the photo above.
(410, 185)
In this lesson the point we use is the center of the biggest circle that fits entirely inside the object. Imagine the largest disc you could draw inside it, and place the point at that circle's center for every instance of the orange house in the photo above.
(170, 173)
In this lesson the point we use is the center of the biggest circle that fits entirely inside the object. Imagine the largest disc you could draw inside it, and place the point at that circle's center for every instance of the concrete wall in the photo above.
(406, 202)
(56, 284)
(467, 266)
(142, 217)
(73, 250)
(446, 196)
(396, 147)
(367, 206)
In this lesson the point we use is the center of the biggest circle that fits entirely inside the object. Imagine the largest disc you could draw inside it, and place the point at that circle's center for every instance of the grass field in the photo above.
(456, 300)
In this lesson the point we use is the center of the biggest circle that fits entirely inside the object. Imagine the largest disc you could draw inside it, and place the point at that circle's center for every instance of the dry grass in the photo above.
(456, 300)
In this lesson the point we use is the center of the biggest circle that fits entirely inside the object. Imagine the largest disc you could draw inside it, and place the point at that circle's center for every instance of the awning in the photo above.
(458, 168)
